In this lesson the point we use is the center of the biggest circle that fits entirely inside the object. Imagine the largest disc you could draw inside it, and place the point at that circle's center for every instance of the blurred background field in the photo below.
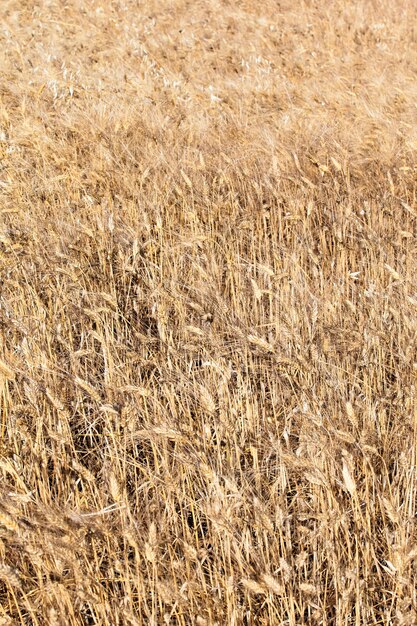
(208, 313)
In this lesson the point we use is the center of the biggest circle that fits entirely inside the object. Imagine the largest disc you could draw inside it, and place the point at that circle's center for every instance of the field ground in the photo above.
(208, 312)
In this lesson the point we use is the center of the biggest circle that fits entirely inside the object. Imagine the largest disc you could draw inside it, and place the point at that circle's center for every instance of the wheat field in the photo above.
(208, 313)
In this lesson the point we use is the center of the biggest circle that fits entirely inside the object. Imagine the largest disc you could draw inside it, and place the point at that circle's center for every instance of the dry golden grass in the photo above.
(208, 312)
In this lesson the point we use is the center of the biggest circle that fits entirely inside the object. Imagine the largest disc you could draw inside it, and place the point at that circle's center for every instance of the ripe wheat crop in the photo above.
(208, 313)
